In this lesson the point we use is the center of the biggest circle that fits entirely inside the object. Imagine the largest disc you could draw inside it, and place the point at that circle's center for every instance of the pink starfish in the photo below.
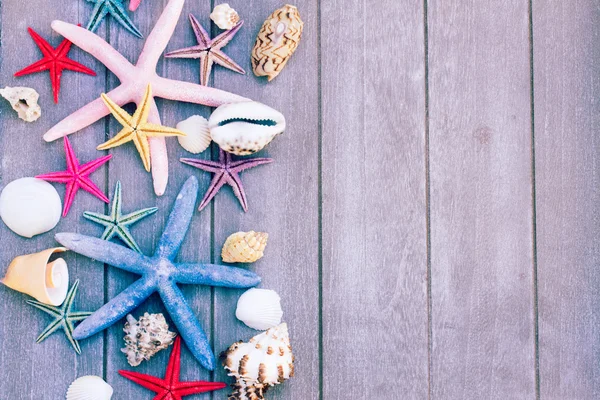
(134, 4)
(76, 177)
(134, 80)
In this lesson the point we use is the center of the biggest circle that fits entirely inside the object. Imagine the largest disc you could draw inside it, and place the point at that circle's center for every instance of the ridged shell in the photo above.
(260, 309)
(224, 16)
(89, 387)
(246, 127)
(198, 135)
(276, 41)
(244, 247)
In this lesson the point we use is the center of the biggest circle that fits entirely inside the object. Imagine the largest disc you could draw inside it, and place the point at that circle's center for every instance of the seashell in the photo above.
(260, 309)
(224, 16)
(145, 337)
(276, 41)
(198, 135)
(245, 247)
(30, 206)
(242, 391)
(89, 387)
(24, 101)
(246, 127)
(32, 274)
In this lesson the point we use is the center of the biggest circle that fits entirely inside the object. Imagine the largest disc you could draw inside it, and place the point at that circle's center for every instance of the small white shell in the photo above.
(246, 127)
(260, 309)
(224, 16)
(89, 387)
(198, 136)
(24, 101)
(30, 206)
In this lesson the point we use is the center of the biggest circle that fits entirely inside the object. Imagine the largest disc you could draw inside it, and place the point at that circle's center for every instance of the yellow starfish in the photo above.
(136, 128)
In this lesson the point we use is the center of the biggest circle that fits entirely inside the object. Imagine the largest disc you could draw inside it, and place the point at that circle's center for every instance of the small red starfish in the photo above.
(170, 388)
(55, 60)
(76, 176)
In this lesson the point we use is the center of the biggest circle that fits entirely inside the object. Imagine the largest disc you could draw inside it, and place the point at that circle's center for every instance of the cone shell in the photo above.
(89, 387)
(244, 247)
(260, 309)
(198, 135)
(224, 16)
(33, 275)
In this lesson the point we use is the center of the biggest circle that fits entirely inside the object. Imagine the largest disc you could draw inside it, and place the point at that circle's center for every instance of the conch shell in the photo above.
(246, 127)
(89, 387)
(224, 16)
(260, 309)
(198, 135)
(145, 337)
(24, 101)
(244, 247)
(276, 41)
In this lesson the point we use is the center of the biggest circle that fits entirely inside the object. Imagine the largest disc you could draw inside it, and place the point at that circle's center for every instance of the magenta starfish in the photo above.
(76, 177)
(209, 50)
(134, 80)
(226, 172)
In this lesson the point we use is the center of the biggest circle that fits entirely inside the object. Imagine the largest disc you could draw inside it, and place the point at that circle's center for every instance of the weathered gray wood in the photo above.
(374, 208)
(566, 84)
(481, 200)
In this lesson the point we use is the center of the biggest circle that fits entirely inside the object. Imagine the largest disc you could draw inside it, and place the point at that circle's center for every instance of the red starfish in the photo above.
(55, 60)
(170, 388)
(76, 176)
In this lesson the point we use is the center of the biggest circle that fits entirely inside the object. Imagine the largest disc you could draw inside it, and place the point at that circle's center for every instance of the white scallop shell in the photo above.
(246, 127)
(198, 135)
(89, 387)
(224, 16)
(260, 309)
(30, 206)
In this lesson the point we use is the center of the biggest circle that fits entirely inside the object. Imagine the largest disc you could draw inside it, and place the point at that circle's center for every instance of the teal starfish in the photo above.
(116, 224)
(114, 8)
(63, 317)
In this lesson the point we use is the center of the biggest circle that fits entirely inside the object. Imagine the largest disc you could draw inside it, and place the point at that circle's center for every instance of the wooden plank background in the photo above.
(433, 207)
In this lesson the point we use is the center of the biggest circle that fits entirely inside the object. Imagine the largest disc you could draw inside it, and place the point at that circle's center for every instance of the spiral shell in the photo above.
(145, 337)
(224, 16)
(198, 135)
(89, 387)
(260, 309)
(244, 247)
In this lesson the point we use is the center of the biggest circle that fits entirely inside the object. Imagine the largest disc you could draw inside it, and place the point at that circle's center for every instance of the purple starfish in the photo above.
(226, 172)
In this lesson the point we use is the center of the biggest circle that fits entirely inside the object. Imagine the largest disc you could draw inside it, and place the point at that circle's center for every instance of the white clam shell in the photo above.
(224, 16)
(260, 309)
(198, 135)
(246, 127)
(30, 206)
(89, 387)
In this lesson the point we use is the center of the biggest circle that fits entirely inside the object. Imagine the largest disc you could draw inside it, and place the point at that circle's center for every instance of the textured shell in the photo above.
(276, 41)
(246, 127)
(89, 388)
(260, 309)
(244, 247)
(198, 135)
(146, 337)
(24, 101)
(241, 391)
(224, 16)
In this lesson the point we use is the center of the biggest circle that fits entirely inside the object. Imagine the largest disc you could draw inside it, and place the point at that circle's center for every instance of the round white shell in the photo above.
(224, 16)
(198, 135)
(260, 309)
(89, 387)
(30, 206)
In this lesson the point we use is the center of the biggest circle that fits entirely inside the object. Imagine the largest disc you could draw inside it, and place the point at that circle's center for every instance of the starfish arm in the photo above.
(200, 33)
(238, 189)
(117, 10)
(90, 187)
(98, 13)
(174, 366)
(206, 63)
(71, 65)
(156, 130)
(126, 237)
(120, 115)
(143, 147)
(79, 315)
(101, 219)
(124, 136)
(117, 308)
(50, 329)
(38, 66)
(93, 165)
(135, 216)
(204, 165)
(225, 37)
(242, 165)
(225, 61)
(134, 4)
(54, 311)
(116, 204)
(216, 184)
(188, 388)
(193, 93)
(148, 381)
(70, 192)
(187, 52)
(187, 324)
(215, 275)
(179, 220)
(68, 328)
(42, 44)
(142, 111)
(109, 232)
(60, 177)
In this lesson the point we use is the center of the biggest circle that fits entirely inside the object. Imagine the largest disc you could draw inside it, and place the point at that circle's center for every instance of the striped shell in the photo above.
(244, 247)
(89, 387)
(276, 41)
(198, 135)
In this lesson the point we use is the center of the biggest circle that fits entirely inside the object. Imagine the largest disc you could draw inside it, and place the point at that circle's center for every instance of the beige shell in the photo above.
(244, 247)
(24, 101)
(89, 387)
(198, 135)
(276, 41)
(224, 16)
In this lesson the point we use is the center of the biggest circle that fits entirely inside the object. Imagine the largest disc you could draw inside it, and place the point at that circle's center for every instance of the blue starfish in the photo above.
(114, 8)
(63, 317)
(116, 224)
(159, 274)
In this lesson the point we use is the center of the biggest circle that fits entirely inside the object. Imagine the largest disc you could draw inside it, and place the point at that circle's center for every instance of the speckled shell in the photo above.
(145, 337)
(224, 16)
(260, 309)
(89, 388)
(276, 41)
(242, 391)
(198, 135)
(244, 247)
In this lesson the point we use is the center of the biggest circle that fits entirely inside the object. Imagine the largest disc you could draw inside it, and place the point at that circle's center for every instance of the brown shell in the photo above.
(244, 247)
(251, 392)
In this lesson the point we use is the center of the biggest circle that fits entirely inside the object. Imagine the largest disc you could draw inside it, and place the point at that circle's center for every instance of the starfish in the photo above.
(117, 224)
(171, 388)
(76, 177)
(226, 172)
(55, 60)
(114, 8)
(64, 317)
(159, 274)
(134, 4)
(134, 80)
(209, 50)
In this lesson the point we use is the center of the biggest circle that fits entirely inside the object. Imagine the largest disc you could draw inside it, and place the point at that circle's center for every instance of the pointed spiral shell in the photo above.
(244, 247)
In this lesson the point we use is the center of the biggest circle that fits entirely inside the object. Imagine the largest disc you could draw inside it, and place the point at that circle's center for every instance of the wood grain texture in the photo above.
(567, 118)
(481, 200)
(374, 208)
